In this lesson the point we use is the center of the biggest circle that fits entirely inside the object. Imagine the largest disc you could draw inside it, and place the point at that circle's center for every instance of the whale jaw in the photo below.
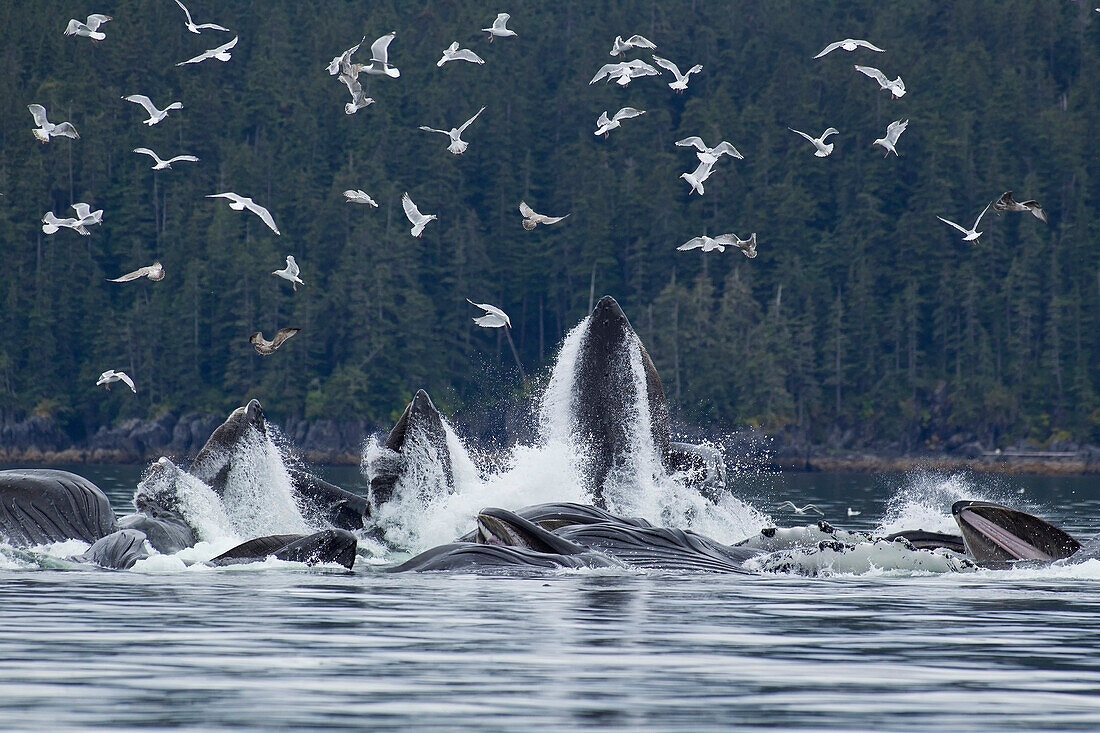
(997, 536)
(419, 435)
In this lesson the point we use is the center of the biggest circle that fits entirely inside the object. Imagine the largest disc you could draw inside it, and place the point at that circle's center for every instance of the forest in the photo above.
(863, 312)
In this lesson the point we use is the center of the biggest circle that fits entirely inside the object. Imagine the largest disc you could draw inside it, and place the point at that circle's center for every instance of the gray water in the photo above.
(263, 648)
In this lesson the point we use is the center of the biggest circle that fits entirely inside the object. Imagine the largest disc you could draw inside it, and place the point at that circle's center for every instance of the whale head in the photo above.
(214, 461)
(416, 448)
(502, 527)
(996, 535)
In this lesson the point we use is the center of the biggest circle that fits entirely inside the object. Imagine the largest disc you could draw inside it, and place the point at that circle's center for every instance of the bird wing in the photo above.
(138, 273)
(702, 171)
(666, 64)
(353, 85)
(975, 227)
(526, 210)
(432, 129)
(379, 49)
(640, 42)
(868, 44)
(224, 47)
(235, 198)
(263, 213)
(603, 120)
(637, 67)
(501, 21)
(95, 20)
(292, 268)
(692, 142)
(694, 243)
(728, 149)
(602, 73)
(1003, 202)
(829, 131)
(125, 379)
(73, 26)
(66, 129)
(467, 122)
(694, 70)
(627, 112)
(799, 132)
(467, 55)
(946, 221)
(197, 59)
(144, 102)
(411, 211)
(830, 48)
(150, 153)
(38, 112)
(1035, 208)
(543, 219)
(185, 12)
(894, 130)
(491, 310)
(82, 210)
(186, 158)
(282, 335)
(873, 73)
(729, 240)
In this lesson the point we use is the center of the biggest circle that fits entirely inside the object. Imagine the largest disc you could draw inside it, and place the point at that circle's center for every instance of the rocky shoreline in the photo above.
(40, 440)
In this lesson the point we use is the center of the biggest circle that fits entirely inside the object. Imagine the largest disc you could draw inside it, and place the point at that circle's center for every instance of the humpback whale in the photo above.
(997, 536)
(40, 506)
(214, 461)
(329, 545)
(419, 438)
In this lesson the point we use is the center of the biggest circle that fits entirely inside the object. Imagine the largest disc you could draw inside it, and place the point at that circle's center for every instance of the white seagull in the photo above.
(681, 82)
(112, 376)
(719, 243)
(895, 87)
(88, 29)
(531, 219)
(635, 41)
(458, 145)
(155, 115)
(85, 216)
(971, 234)
(380, 57)
(454, 53)
(624, 71)
(191, 26)
(499, 28)
(695, 178)
(359, 196)
(359, 100)
(849, 44)
(290, 272)
(342, 64)
(823, 150)
(240, 203)
(51, 224)
(47, 129)
(494, 317)
(709, 155)
(154, 272)
(604, 126)
(890, 139)
(160, 164)
(221, 53)
(800, 510)
(418, 220)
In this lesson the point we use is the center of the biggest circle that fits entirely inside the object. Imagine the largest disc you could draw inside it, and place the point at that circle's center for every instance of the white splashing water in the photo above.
(925, 503)
(258, 496)
(200, 506)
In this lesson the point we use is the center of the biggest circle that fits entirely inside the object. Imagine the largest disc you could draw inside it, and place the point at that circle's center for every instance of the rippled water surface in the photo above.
(262, 648)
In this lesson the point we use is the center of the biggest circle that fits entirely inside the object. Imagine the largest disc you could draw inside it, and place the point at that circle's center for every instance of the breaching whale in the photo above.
(418, 439)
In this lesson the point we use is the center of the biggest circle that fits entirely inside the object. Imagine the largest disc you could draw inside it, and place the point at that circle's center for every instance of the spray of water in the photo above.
(258, 495)
(924, 502)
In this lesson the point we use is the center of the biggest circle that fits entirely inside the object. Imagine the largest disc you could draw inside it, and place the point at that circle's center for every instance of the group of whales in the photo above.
(44, 506)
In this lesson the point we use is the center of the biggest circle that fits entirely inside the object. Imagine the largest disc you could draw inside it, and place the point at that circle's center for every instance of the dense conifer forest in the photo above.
(862, 312)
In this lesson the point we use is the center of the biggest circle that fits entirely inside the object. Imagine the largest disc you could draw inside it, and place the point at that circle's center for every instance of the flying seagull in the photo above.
(154, 272)
(89, 28)
(359, 100)
(499, 28)
(709, 244)
(380, 57)
(624, 71)
(1006, 203)
(155, 115)
(240, 203)
(823, 150)
(47, 129)
(709, 155)
(895, 87)
(112, 376)
(532, 219)
(971, 234)
(51, 224)
(800, 510)
(221, 53)
(199, 28)
(893, 132)
(458, 145)
(696, 177)
(418, 220)
(635, 41)
(494, 317)
(290, 272)
(85, 216)
(604, 126)
(267, 348)
(342, 64)
(359, 196)
(454, 53)
(160, 164)
(681, 82)
(849, 44)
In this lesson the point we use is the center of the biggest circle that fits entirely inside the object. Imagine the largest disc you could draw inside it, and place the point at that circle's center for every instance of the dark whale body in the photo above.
(420, 425)
(40, 506)
(997, 536)
(326, 546)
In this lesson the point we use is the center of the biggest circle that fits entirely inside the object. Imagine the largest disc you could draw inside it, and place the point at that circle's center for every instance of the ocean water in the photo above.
(280, 647)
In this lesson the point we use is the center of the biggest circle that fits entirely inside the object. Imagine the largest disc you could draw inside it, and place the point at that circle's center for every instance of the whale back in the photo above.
(40, 506)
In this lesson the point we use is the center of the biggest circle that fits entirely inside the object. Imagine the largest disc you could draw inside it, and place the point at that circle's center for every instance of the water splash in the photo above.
(258, 496)
(198, 504)
(924, 502)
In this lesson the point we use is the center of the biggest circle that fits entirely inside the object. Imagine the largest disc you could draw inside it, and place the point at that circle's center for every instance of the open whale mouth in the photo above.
(996, 535)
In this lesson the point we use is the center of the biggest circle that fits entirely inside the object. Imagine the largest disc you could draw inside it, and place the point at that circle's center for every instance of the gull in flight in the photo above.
(418, 220)
(380, 57)
(499, 28)
(799, 510)
(267, 348)
(893, 132)
(51, 224)
(221, 53)
(290, 272)
(604, 126)
(458, 145)
(624, 71)
(635, 41)
(359, 100)
(1005, 202)
(494, 317)
(160, 164)
(155, 115)
(85, 217)
(454, 53)
(47, 129)
(154, 272)
(971, 234)
(695, 178)
(823, 150)
(681, 82)
(359, 196)
(849, 44)
(532, 219)
(88, 29)
(112, 376)
(709, 155)
(240, 203)
(709, 244)
(199, 28)
(342, 64)
(895, 87)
